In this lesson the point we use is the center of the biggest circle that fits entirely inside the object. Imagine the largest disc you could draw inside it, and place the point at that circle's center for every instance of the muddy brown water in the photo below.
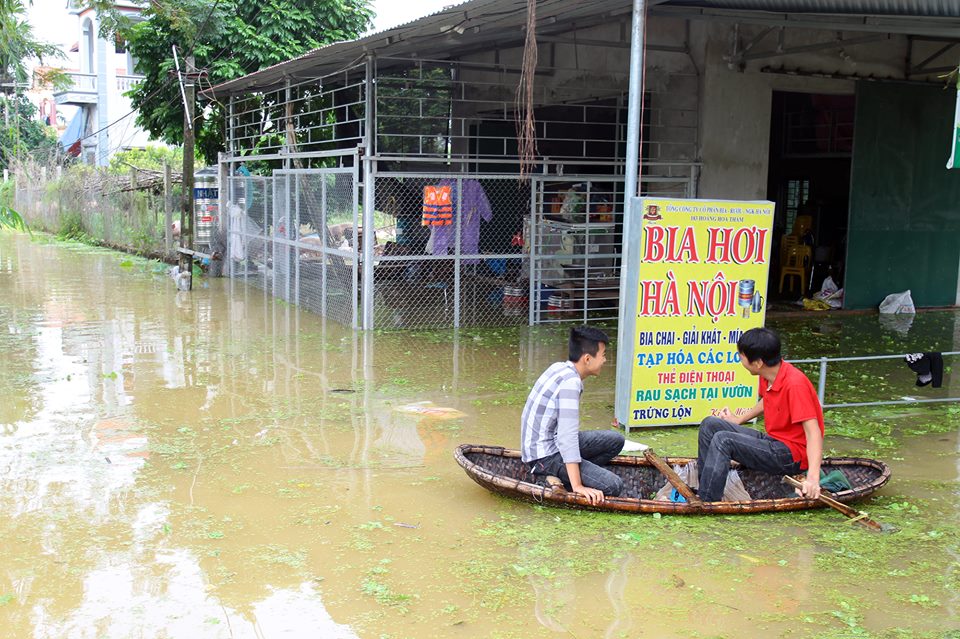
(218, 464)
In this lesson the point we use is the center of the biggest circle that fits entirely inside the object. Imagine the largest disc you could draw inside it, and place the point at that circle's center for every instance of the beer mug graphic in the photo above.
(745, 292)
(757, 302)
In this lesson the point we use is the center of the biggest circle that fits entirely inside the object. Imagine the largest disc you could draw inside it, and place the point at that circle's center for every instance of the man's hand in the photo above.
(593, 495)
(810, 488)
(727, 415)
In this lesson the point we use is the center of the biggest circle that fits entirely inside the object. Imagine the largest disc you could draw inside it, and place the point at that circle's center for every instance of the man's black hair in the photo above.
(585, 339)
(760, 343)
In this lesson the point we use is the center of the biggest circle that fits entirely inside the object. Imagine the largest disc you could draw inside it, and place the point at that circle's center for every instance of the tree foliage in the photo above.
(229, 38)
(151, 158)
(18, 45)
(21, 132)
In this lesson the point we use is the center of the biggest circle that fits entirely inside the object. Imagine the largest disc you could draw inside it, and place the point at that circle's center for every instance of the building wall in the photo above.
(736, 122)
(112, 115)
(736, 105)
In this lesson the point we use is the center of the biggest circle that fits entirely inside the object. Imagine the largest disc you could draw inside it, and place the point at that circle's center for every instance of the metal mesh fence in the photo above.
(249, 222)
(88, 204)
(575, 242)
(444, 108)
(450, 249)
(296, 235)
(459, 240)
(325, 237)
(464, 249)
(448, 245)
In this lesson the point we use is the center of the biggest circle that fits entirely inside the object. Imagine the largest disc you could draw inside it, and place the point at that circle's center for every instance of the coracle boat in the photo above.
(500, 470)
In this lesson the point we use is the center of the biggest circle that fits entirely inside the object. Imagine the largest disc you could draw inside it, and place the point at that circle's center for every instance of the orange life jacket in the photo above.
(437, 206)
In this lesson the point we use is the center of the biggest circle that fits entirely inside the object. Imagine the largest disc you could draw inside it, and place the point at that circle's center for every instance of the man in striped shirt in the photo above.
(551, 441)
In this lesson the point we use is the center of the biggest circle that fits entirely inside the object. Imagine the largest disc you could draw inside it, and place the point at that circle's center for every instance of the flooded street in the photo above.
(220, 464)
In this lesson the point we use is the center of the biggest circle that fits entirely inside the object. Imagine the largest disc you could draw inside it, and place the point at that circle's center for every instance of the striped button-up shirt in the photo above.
(551, 418)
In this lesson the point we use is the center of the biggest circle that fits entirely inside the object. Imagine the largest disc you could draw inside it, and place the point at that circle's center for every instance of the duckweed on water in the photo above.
(555, 544)
(248, 424)
(276, 554)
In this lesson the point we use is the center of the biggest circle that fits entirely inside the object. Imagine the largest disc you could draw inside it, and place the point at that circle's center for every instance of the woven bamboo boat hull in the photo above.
(500, 470)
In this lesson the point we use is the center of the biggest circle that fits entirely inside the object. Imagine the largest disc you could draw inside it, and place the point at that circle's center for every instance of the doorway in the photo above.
(811, 144)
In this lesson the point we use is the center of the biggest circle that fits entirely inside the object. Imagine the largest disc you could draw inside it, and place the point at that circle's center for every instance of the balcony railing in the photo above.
(127, 82)
(82, 82)
(83, 88)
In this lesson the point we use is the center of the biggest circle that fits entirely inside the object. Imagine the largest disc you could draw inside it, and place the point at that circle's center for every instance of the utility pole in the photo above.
(167, 208)
(187, 88)
(630, 256)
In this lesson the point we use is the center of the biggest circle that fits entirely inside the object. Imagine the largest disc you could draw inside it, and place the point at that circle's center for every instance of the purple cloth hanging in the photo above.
(476, 207)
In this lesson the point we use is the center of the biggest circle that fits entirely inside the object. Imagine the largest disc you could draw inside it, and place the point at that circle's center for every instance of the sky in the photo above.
(391, 13)
(52, 22)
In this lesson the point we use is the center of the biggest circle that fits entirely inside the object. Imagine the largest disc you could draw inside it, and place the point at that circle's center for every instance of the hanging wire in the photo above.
(526, 121)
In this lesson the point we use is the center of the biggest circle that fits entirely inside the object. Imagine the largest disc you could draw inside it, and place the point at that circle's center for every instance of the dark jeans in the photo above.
(721, 441)
(597, 448)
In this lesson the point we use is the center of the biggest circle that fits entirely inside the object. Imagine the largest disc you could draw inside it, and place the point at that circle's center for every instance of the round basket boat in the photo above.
(501, 470)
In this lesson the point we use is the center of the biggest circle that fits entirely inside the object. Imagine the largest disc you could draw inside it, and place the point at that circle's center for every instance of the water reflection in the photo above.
(168, 590)
(119, 381)
(899, 324)
(216, 463)
(616, 587)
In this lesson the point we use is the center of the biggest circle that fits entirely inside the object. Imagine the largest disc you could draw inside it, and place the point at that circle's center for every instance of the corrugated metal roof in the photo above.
(469, 26)
(478, 25)
(925, 8)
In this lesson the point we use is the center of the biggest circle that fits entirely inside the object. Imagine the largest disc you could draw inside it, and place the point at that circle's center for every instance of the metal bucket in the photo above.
(559, 307)
(515, 296)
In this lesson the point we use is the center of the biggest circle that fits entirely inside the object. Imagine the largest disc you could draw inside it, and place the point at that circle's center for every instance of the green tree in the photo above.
(229, 38)
(21, 132)
(18, 46)
(151, 158)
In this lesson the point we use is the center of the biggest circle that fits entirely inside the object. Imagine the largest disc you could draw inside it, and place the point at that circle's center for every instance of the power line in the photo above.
(127, 114)
(202, 27)
(169, 79)
(164, 84)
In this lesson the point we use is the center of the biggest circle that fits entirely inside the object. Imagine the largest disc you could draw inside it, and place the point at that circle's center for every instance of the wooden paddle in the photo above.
(672, 477)
(854, 514)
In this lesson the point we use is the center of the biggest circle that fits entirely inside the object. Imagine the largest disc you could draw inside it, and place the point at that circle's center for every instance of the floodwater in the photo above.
(217, 464)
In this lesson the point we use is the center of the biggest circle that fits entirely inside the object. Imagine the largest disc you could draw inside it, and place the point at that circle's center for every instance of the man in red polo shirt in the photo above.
(792, 416)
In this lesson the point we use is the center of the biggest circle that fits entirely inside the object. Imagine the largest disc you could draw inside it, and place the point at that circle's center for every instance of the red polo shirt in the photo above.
(787, 403)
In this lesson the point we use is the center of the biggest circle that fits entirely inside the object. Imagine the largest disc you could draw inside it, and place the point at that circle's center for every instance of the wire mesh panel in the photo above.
(576, 247)
(249, 219)
(311, 115)
(325, 241)
(468, 108)
(448, 245)
(574, 237)
(93, 204)
(297, 235)
(458, 239)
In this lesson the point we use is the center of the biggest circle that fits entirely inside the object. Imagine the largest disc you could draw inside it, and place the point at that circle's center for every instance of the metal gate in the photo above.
(297, 236)
(573, 238)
